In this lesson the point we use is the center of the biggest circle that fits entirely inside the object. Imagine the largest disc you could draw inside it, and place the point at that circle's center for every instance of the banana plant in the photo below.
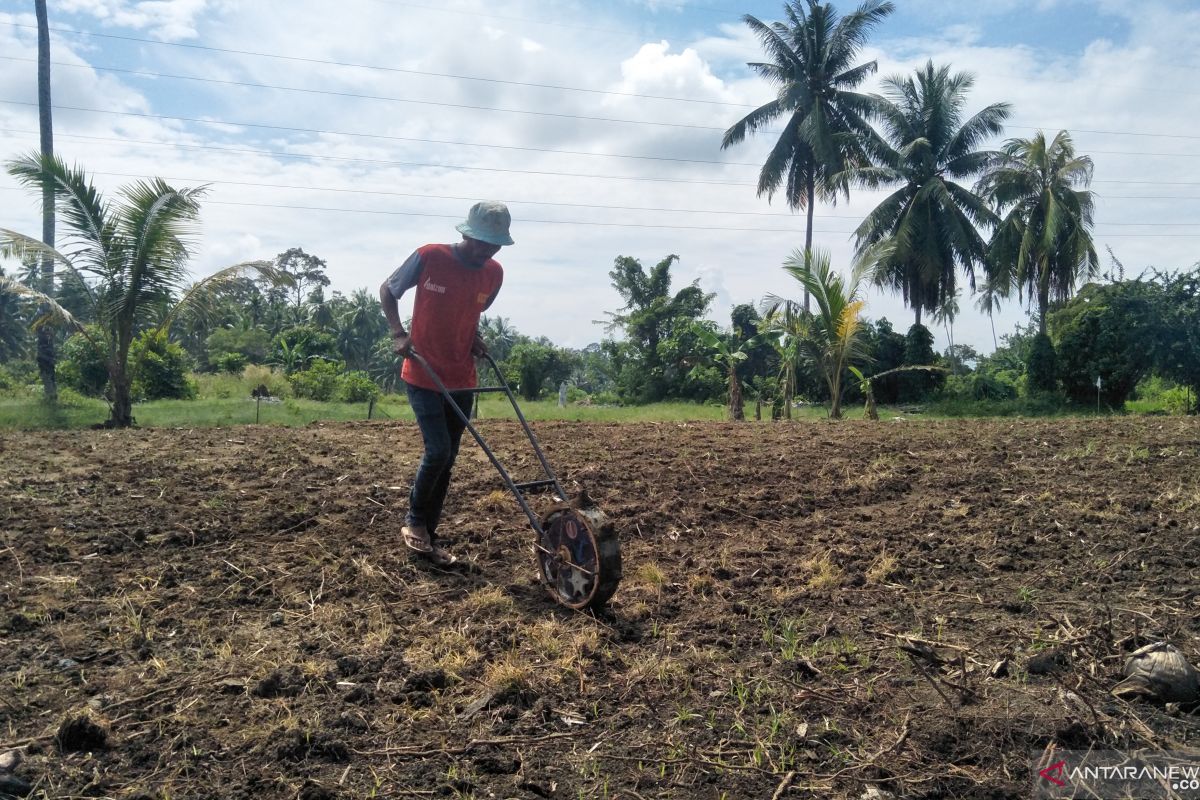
(728, 357)
(864, 384)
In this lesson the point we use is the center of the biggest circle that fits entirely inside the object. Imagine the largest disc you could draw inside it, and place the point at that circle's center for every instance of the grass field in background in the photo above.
(224, 400)
(75, 412)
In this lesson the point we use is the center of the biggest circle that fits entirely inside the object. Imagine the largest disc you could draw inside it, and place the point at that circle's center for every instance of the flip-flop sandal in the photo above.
(418, 544)
(441, 557)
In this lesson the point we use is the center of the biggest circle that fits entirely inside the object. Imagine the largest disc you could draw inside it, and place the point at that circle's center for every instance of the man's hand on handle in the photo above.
(402, 344)
(478, 347)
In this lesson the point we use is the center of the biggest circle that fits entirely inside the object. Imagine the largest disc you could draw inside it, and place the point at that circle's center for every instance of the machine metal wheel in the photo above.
(579, 557)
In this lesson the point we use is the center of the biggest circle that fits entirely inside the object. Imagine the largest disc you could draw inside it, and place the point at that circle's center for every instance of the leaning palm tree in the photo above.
(827, 129)
(931, 220)
(1045, 239)
(128, 257)
(831, 337)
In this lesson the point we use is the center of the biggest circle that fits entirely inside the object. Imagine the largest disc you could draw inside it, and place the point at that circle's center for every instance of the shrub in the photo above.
(320, 381)
(17, 373)
(159, 368)
(252, 343)
(1042, 369)
(357, 387)
(256, 375)
(980, 385)
(232, 363)
(83, 363)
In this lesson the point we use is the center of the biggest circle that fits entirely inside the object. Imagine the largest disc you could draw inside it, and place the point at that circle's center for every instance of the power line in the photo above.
(384, 137)
(381, 68)
(381, 162)
(327, 62)
(590, 223)
(512, 201)
(359, 96)
(418, 164)
(617, 224)
(325, 132)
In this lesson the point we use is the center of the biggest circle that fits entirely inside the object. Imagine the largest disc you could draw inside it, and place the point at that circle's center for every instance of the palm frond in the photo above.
(196, 297)
(53, 311)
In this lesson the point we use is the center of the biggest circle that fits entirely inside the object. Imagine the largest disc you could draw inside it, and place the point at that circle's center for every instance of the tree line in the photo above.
(1016, 220)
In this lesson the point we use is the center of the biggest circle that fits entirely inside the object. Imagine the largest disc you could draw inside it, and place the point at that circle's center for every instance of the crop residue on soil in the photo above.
(813, 610)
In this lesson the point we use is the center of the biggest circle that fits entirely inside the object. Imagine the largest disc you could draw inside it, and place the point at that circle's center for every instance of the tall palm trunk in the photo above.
(45, 337)
(810, 188)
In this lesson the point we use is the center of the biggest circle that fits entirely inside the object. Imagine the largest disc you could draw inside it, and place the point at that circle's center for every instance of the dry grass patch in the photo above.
(490, 599)
(881, 569)
(825, 573)
(509, 673)
(650, 576)
(448, 649)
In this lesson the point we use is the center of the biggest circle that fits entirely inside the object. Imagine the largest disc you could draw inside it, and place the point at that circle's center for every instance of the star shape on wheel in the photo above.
(578, 581)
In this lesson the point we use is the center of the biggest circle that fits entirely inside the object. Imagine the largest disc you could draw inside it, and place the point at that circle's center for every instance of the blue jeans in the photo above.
(442, 430)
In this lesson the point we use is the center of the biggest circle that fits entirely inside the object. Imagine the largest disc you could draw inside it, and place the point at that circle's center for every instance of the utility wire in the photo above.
(418, 164)
(389, 163)
(359, 96)
(380, 162)
(327, 62)
(381, 68)
(510, 201)
(325, 132)
(590, 223)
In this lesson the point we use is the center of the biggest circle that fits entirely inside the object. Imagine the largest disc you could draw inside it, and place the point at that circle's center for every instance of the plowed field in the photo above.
(808, 610)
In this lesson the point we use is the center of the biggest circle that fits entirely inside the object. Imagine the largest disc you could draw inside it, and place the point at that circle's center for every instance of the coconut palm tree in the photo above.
(992, 289)
(831, 337)
(931, 220)
(1044, 241)
(945, 314)
(827, 129)
(129, 256)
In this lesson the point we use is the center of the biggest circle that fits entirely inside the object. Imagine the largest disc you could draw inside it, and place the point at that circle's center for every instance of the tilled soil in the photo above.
(808, 610)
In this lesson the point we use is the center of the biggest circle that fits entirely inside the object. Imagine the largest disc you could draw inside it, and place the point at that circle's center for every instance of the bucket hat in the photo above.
(487, 221)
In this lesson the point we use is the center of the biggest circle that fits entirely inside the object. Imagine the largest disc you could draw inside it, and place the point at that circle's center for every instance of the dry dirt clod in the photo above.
(81, 733)
(12, 786)
(1048, 661)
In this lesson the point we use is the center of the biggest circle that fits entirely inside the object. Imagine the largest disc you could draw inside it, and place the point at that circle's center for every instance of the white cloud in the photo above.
(173, 20)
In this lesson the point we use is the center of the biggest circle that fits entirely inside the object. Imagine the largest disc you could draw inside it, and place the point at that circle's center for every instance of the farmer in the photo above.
(455, 283)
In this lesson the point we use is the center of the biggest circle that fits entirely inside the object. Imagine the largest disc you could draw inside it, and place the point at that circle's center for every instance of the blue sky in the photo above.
(360, 164)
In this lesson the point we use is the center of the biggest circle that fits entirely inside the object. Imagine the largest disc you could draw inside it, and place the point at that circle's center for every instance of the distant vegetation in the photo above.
(1015, 221)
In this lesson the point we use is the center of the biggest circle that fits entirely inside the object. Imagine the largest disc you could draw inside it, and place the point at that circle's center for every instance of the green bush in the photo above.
(159, 368)
(252, 343)
(1042, 369)
(357, 387)
(17, 374)
(1155, 393)
(232, 363)
(320, 381)
(980, 385)
(83, 363)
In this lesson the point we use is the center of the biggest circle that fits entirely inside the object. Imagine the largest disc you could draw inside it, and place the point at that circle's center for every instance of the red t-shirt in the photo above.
(450, 297)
